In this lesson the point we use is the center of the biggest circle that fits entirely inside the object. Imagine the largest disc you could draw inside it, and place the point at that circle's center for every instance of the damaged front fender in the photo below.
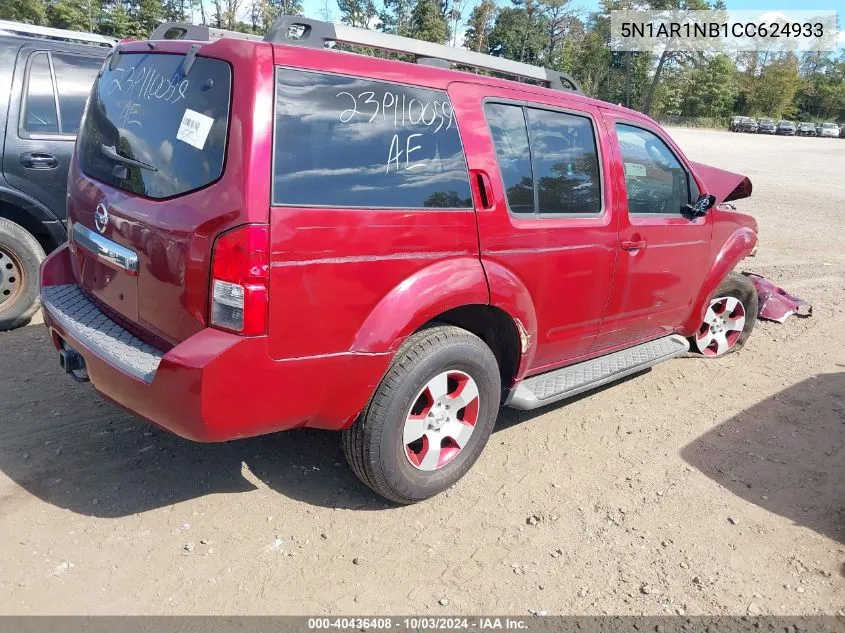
(741, 243)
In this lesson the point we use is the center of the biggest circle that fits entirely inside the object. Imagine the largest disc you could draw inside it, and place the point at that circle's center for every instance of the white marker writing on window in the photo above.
(395, 154)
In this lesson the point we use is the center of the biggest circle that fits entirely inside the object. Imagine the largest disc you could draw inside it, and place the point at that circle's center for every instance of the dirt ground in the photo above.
(700, 487)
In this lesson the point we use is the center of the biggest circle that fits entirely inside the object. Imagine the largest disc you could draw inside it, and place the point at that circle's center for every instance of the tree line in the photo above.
(549, 33)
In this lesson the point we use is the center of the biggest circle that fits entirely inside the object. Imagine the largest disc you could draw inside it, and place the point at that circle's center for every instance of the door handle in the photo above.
(483, 187)
(633, 245)
(39, 160)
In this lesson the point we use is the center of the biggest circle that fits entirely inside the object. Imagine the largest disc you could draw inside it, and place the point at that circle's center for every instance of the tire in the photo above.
(375, 445)
(20, 257)
(721, 322)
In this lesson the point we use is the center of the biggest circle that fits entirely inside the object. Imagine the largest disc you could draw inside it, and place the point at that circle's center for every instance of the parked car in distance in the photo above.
(395, 252)
(827, 129)
(48, 78)
(766, 126)
(786, 128)
(746, 124)
(842, 131)
(806, 128)
(734, 123)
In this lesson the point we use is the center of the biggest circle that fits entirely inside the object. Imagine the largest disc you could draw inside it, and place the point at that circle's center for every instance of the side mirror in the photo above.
(704, 203)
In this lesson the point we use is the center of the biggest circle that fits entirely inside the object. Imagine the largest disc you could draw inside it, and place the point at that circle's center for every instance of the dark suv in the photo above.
(805, 128)
(746, 124)
(766, 126)
(786, 128)
(46, 81)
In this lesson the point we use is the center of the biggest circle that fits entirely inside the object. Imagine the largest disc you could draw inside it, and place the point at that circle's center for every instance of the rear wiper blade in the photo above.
(190, 58)
(111, 152)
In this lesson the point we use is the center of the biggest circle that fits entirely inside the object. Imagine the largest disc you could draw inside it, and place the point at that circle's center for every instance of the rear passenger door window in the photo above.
(510, 136)
(566, 164)
(655, 180)
(548, 160)
(353, 142)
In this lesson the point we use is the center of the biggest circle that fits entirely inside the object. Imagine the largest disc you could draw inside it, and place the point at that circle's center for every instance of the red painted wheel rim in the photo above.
(441, 420)
(722, 326)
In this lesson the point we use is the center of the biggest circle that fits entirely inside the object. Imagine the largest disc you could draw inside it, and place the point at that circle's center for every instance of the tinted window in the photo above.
(74, 76)
(40, 108)
(510, 137)
(655, 180)
(147, 110)
(351, 142)
(554, 149)
(566, 165)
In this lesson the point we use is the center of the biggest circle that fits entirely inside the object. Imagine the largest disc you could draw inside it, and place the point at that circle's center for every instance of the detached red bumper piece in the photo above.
(214, 386)
(776, 304)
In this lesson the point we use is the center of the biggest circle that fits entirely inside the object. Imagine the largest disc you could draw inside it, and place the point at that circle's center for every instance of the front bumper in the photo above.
(214, 386)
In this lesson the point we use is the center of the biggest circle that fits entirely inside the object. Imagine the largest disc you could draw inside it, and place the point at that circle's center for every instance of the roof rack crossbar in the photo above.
(186, 31)
(19, 28)
(300, 31)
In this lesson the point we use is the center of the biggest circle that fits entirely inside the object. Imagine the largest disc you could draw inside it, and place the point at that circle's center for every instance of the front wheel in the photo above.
(730, 317)
(430, 417)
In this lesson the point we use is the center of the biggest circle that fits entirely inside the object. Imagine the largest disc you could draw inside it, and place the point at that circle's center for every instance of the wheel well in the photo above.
(32, 224)
(496, 328)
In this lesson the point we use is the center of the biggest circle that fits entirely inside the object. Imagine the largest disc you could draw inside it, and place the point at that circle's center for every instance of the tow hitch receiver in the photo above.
(73, 363)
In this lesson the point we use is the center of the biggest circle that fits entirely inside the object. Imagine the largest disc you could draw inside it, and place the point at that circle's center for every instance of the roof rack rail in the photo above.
(186, 31)
(316, 34)
(29, 30)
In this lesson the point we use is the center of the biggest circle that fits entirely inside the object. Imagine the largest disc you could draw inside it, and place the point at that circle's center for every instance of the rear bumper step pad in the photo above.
(543, 389)
(84, 320)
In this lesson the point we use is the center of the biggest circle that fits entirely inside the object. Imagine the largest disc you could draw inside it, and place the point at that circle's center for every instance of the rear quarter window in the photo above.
(352, 142)
(40, 115)
(147, 110)
(75, 74)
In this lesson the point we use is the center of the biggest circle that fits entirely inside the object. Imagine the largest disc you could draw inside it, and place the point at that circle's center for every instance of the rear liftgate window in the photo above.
(153, 130)
(352, 142)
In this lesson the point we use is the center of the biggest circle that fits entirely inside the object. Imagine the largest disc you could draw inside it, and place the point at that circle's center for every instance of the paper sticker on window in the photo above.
(635, 170)
(194, 128)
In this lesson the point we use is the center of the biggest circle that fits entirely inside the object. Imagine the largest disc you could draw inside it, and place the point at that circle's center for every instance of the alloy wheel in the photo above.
(441, 420)
(722, 326)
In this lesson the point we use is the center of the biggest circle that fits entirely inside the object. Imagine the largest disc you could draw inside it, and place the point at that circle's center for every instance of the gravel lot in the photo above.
(701, 487)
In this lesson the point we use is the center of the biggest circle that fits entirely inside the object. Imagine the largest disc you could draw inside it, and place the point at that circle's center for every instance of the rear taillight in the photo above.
(239, 280)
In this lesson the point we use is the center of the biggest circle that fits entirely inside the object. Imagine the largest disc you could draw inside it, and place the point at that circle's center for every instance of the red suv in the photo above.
(274, 234)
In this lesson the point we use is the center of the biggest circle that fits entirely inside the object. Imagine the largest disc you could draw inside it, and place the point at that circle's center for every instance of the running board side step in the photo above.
(538, 391)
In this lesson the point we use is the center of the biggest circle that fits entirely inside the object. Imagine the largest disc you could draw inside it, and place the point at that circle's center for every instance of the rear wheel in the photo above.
(20, 257)
(430, 417)
(730, 317)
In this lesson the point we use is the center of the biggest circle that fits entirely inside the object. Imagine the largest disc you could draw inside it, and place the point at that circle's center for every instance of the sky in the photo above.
(316, 8)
